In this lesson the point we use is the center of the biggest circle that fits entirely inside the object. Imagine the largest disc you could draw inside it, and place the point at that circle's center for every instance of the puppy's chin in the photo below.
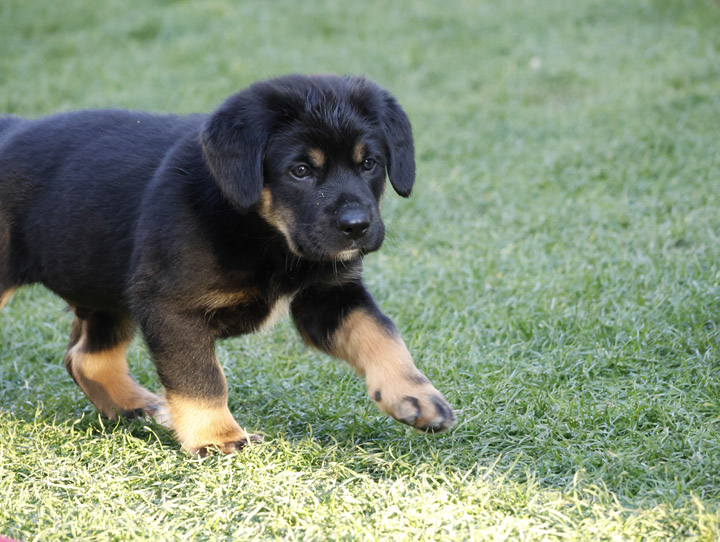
(349, 254)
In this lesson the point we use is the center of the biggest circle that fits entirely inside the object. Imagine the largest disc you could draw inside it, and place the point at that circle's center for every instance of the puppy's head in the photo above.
(311, 154)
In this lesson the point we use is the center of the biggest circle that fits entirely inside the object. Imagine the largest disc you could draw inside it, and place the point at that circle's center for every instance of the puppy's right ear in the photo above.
(233, 142)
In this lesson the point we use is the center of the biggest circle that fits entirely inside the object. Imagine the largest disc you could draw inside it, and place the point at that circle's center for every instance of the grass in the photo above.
(556, 273)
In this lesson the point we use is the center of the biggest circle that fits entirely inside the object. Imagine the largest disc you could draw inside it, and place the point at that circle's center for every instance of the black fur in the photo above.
(157, 219)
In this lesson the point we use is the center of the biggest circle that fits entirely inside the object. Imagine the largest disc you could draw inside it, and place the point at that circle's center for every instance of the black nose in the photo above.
(353, 222)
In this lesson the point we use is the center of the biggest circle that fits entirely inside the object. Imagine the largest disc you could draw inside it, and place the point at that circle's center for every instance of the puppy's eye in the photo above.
(301, 172)
(367, 164)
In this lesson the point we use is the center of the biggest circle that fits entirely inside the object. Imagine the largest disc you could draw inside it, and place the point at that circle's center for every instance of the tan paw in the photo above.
(206, 426)
(230, 446)
(414, 401)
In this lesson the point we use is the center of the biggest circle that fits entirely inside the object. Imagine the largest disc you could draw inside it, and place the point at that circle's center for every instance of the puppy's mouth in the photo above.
(329, 244)
(349, 254)
(315, 252)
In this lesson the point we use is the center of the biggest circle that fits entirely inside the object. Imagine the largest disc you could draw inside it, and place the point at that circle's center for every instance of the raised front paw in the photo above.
(413, 400)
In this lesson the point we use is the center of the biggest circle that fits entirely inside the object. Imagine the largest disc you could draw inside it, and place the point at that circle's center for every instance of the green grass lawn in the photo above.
(556, 273)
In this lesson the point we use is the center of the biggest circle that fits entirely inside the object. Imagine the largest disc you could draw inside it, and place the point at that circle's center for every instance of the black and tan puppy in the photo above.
(203, 227)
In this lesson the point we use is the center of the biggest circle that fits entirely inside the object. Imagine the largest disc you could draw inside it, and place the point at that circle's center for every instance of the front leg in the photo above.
(345, 322)
(196, 392)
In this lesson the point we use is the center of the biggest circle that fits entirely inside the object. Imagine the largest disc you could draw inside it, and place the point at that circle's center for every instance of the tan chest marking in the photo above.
(279, 310)
(211, 301)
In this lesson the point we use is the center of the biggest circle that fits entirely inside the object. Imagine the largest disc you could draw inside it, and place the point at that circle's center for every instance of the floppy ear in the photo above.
(401, 153)
(233, 141)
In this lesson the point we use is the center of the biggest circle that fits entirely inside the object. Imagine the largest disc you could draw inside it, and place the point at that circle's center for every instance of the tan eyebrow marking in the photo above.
(317, 157)
(359, 152)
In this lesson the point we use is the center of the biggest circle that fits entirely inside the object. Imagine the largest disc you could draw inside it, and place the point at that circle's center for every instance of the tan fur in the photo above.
(317, 157)
(278, 311)
(214, 300)
(5, 296)
(199, 424)
(347, 254)
(359, 152)
(105, 379)
(390, 373)
(281, 219)
(370, 349)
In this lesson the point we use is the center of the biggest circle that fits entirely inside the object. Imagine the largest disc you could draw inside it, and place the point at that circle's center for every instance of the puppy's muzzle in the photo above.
(353, 222)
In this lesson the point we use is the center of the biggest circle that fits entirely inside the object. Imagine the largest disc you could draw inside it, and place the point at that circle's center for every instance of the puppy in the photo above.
(203, 227)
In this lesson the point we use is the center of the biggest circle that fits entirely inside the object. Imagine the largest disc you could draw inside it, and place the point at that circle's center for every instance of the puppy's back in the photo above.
(70, 191)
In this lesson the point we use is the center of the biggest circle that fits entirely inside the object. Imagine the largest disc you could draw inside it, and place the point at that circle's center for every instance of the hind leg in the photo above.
(96, 361)
(5, 294)
(7, 285)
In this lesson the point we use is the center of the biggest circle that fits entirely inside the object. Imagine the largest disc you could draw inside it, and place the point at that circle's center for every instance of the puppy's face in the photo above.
(323, 185)
(312, 157)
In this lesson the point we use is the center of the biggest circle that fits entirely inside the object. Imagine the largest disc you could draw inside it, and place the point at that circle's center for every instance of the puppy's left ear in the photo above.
(233, 143)
(401, 152)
